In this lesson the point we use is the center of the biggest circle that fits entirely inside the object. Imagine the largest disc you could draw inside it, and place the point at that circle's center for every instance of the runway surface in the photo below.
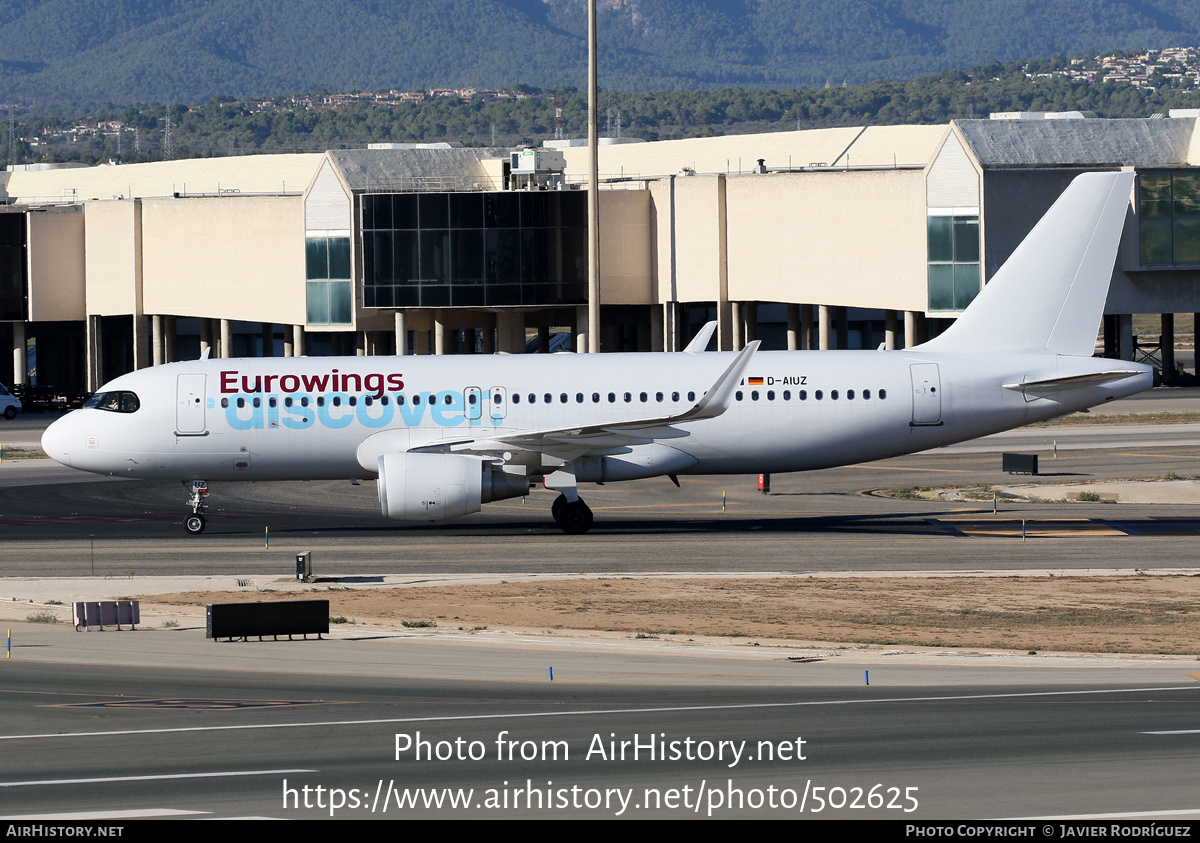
(384, 724)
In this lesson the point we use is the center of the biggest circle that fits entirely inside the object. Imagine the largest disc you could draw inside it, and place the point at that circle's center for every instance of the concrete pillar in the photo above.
(489, 333)
(20, 362)
(725, 315)
(510, 331)
(910, 328)
(141, 342)
(825, 320)
(843, 328)
(156, 344)
(439, 333)
(889, 330)
(806, 328)
(543, 339)
(401, 323)
(170, 355)
(739, 328)
(1196, 344)
(1125, 336)
(226, 348)
(750, 314)
(298, 340)
(793, 327)
(361, 343)
(205, 336)
(672, 332)
(1167, 347)
(94, 345)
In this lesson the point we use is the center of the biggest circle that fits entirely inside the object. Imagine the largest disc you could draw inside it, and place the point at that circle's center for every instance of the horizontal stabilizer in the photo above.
(1047, 384)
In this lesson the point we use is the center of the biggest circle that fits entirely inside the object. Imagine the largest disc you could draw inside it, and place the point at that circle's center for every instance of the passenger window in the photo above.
(595, 397)
(354, 400)
(674, 396)
(304, 401)
(818, 395)
(642, 397)
(470, 399)
(787, 395)
(882, 394)
(224, 402)
(578, 397)
(691, 396)
(399, 400)
(547, 398)
(337, 401)
(271, 401)
(754, 395)
(516, 397)
(738, 395)
(771, 395)
(866, 395)
(803, 395)
(849, 394)
(628, 397)
(612, 398)
(833, 394)
(562, 398)
(447, 400)
(658, 396)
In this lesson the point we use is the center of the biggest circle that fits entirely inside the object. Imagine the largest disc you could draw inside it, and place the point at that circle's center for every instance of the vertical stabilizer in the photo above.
(1050, 293)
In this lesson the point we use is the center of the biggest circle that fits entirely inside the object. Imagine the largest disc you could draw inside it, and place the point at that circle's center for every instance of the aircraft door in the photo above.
(927, 394)
(473, 400)
(190, 406)
(498, 405)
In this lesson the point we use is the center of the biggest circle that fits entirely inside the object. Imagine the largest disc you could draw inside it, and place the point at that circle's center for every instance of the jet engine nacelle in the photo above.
(430, 487)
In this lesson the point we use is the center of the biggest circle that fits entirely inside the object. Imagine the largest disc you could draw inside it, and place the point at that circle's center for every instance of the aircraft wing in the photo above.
(609, 437)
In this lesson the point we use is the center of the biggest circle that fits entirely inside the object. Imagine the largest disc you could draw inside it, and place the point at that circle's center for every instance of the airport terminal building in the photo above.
(832, 238)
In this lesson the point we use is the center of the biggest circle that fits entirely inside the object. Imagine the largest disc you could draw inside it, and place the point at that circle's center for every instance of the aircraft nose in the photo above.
(55, 441)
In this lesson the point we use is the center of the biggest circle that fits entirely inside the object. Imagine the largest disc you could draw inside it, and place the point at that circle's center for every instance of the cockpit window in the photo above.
(116, 402)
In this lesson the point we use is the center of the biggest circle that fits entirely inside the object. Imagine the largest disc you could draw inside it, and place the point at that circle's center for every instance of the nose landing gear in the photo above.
(195, 522)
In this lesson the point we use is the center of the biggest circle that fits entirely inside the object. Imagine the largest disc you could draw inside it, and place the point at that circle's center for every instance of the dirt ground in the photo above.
(1135, 613)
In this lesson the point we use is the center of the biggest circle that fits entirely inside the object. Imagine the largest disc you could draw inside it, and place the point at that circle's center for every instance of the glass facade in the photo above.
(474, 249)
(954, 278)
(13, 282)
(1169, 212)
(329, 292)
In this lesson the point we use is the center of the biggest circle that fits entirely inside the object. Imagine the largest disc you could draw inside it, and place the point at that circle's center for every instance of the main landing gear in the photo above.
(195, 522)
(572, 517)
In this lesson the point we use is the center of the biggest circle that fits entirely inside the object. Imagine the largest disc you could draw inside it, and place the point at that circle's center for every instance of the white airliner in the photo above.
(444, 435)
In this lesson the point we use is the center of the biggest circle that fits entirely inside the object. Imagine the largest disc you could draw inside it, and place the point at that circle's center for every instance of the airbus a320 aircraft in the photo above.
(444, 435)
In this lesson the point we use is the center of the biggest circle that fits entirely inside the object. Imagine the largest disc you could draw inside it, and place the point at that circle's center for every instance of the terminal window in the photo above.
(328, 290)
(1169, 213)
(474, 249)
(954, 278)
